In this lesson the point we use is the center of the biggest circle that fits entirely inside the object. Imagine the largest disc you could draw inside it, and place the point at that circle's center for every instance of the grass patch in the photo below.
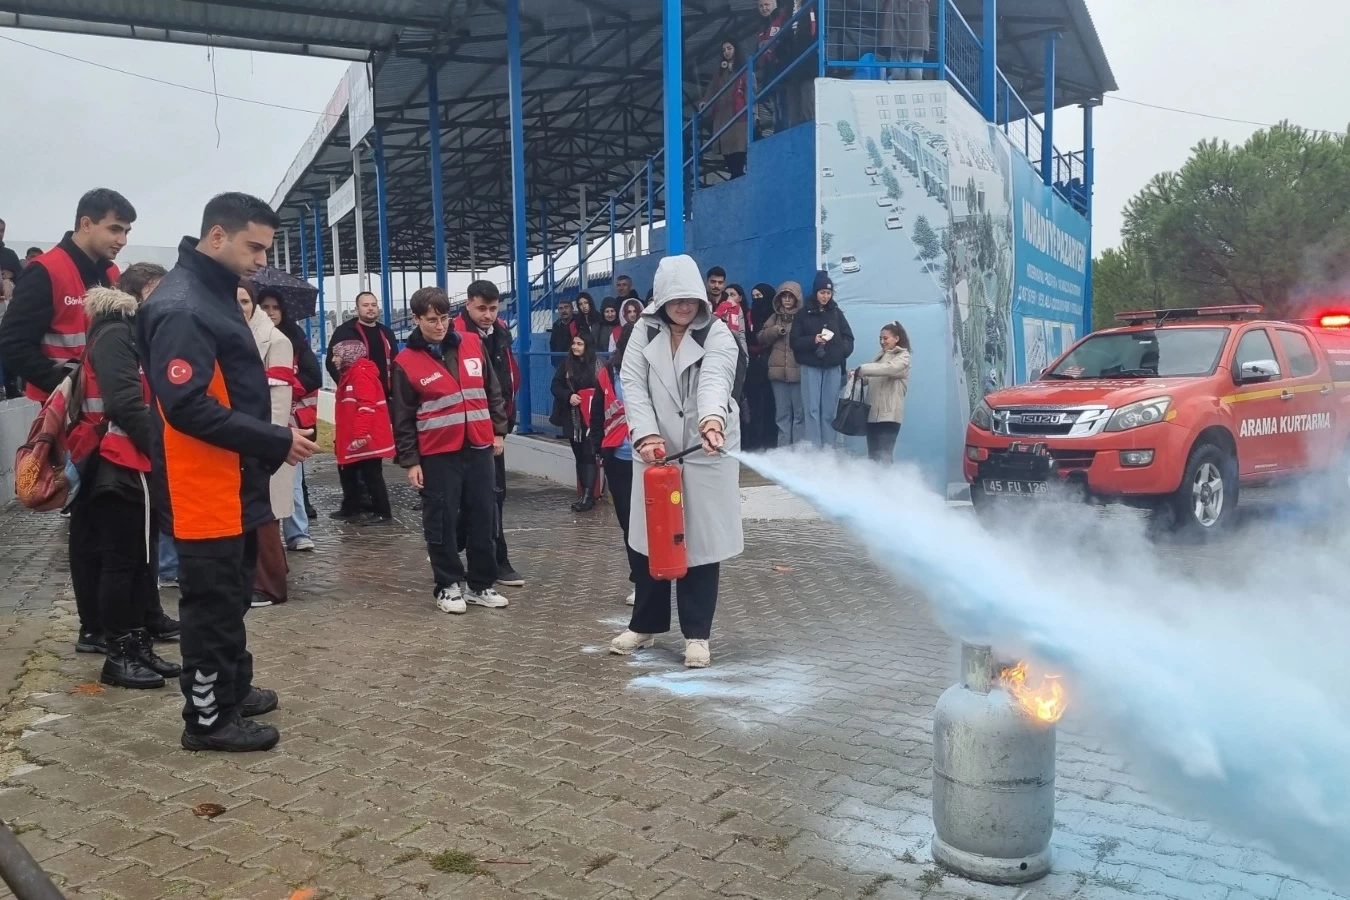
(599, 862)
(715, 794)
(407, 856)
(726, 817)
(326, 433)
(1105, 848)
(1112, 881)
(24, 828)
(870, 889)
(931, 879)
(908, 857)
(652, 807)
(457, 862)
(775, 844)
(352, 831)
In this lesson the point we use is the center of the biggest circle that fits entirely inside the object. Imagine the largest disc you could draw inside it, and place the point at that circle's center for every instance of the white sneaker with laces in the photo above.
(631, 598)
(487, 597)
(629, 641)
(302, 545)
(696, 654)
(451, 600)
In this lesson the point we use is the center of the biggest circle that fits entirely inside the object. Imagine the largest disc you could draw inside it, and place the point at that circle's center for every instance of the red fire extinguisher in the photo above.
(663, 487)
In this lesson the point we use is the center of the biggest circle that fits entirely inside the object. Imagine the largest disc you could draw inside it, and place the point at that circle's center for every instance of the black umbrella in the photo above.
(298, 297)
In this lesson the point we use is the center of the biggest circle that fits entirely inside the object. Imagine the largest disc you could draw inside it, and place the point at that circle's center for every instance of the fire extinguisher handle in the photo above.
(683, 453)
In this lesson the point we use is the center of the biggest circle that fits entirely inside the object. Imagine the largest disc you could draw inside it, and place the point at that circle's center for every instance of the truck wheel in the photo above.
(983, 503)
(1206, 502)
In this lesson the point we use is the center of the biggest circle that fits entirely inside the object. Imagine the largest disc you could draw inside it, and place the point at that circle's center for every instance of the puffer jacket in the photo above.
(887, 379)
(112, 354)
(773, 337)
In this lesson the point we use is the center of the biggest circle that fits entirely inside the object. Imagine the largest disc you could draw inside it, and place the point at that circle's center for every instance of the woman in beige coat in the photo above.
(887, 379)
(784, 374)
(269, 583)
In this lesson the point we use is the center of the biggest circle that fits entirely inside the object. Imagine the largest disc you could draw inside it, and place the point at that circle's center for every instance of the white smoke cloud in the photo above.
(1225, 686)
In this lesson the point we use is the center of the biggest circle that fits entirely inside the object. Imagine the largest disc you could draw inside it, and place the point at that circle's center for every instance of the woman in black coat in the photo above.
(762, 433)
(574, 386)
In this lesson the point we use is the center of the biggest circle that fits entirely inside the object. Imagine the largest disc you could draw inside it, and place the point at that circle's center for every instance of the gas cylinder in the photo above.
(993, 778)
(663, 489)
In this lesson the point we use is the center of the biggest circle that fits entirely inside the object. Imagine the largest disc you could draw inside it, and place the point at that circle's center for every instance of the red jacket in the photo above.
(362, 414)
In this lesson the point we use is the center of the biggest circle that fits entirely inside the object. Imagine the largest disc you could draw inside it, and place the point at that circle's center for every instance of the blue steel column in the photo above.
(318, 272)
(434, 144)
(989, 62)
(520, 256)
(382, 205)
(672, 73)
(942, 40)
(304, 273)
(1048, 138)
(1089, 173)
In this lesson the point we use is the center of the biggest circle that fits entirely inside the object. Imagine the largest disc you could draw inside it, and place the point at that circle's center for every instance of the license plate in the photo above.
(1015, 488)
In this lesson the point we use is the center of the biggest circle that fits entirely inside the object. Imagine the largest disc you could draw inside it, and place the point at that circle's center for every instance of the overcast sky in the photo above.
(70, 126)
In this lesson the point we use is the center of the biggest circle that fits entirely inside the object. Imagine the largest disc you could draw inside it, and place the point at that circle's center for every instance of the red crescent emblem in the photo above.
(179, 371)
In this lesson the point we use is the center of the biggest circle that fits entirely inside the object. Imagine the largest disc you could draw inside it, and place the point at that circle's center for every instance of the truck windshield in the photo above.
(1168, 352)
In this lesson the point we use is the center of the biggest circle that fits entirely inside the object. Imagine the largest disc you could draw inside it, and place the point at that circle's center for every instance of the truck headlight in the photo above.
(983, 417)
(1145, 412)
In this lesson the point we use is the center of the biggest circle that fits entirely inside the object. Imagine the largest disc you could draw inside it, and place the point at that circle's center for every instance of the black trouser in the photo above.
(735, 164)
(126, 565)
(216, 580)
(881, 440)
(454, 484)
(695, 595)
(499, 532)
(84, 564)
(619, 475)
(370, 473)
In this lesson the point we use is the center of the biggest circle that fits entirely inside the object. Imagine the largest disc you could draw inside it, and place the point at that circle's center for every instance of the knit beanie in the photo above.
(822, 283)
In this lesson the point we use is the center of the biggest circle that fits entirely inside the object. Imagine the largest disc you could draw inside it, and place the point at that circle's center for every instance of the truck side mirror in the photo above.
(1258, 370)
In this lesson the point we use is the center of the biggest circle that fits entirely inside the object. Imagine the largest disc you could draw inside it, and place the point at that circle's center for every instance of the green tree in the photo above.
(892, 184)
(926, 239)
(873, 152)
(1267, 222)
(886, 140)
(826, 241)
(846, 132)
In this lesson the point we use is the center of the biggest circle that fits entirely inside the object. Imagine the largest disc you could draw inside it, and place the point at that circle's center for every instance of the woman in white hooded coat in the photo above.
(269, 583)
(678, 377)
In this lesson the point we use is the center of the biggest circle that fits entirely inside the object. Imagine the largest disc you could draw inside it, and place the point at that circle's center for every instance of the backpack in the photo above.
(700, 335)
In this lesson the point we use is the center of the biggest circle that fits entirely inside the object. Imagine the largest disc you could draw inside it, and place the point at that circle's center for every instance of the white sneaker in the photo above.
(259, 602)
(629, 641)
(696, 654)
(631, 598)
(451, 600)
(302, 545)
(487, 597)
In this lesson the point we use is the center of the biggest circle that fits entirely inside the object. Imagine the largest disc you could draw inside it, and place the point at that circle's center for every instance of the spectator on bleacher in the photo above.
(800, 84)
(630, 311)
(732, 309)
(304, 411)
(623, 288)
(822, 341)
(784, 374)
(773, 15)
(587, 315)
(607, 332)
(761, 433)
(904, 34)
(565, 327)
(32, 254)
(574, 383)
(717, 281)
(727, 107)
(381, 344)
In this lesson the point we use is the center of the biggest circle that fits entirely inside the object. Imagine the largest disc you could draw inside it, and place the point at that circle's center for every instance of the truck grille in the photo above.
(1065, 460)
(1035, 422)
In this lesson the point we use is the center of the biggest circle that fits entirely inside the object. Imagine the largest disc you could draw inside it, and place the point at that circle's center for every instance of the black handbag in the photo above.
(850, 417)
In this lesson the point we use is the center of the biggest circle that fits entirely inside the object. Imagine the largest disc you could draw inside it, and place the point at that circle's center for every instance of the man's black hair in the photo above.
(485, 290)
(235, 211)
(33, 251)
(429, 299)
(717, 272)
(96, 204)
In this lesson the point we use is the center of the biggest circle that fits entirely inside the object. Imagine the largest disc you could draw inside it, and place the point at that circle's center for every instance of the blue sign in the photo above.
(1051, 243)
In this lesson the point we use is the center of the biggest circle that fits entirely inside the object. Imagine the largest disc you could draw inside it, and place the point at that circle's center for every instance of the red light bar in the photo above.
(1335, 320)
(1233, 311)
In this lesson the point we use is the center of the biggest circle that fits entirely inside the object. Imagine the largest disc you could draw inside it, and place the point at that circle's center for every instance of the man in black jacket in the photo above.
(367, 328)
(480, 315)
(822, 341)
(9, 260)
(215, 450)
(565, 327)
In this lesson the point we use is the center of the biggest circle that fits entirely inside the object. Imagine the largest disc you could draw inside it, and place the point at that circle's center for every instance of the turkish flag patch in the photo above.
(179, 371)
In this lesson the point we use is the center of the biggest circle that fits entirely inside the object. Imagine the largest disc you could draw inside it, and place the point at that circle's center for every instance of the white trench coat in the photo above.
(669, 395)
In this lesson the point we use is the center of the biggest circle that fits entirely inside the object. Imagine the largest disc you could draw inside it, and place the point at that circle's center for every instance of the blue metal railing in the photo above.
(963, 52)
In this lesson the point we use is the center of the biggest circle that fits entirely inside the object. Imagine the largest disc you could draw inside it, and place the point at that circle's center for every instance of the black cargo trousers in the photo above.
(216, 580)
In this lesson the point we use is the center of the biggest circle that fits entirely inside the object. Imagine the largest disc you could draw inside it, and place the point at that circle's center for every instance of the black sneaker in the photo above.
(259, 702)
(343, 515)
(236, 736)
(417, 506)
(91, 642)
(509, 577)
(164, 628)
(311, 512)
(375, 519)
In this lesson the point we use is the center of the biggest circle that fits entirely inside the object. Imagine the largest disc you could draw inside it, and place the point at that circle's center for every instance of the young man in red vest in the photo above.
(449, 423)
(42, 337)
(479, 317)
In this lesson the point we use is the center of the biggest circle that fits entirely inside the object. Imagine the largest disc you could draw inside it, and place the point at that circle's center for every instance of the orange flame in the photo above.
(1046, 701)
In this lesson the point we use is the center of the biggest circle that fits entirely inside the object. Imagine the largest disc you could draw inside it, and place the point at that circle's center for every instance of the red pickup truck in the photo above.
(1176, 411)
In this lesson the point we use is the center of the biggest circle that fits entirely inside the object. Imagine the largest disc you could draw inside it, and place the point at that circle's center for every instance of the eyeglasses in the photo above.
(434, 320)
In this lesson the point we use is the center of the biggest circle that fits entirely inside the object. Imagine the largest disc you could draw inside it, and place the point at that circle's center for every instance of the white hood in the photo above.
(678, 278)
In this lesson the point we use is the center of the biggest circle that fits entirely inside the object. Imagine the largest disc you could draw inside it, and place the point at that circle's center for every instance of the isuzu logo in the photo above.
(1037, 419)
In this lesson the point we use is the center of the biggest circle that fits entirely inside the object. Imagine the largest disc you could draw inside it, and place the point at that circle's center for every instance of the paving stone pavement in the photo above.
(506, 754)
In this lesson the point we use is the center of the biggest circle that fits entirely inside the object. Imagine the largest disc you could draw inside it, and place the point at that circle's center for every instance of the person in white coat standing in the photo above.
(678, 375)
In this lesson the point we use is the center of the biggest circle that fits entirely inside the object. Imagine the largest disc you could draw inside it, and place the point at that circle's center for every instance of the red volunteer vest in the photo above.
(616, 424)
(115, 446)
(452, 409)
(464, 327)
(66, 339)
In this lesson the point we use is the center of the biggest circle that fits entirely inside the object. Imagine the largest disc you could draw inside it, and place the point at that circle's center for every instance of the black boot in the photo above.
(124, 666)
(236, 736)
(310, 511)
(586, 476)
(259, 702)
(154, 661)
(163, 627)
(91, 642)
